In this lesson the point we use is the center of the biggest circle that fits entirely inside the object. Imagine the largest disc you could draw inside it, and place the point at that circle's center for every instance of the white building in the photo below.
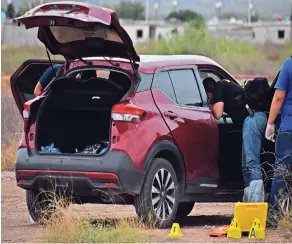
(278, 32)
(275, 32)
(141, 31)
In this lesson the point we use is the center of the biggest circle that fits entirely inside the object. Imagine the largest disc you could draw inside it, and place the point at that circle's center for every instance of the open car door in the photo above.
(24, 80)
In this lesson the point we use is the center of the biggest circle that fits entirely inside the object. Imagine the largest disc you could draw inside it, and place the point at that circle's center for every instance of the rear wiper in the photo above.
(71, 11)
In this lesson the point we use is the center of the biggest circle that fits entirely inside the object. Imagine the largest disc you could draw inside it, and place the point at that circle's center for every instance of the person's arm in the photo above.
(217, 106)
(280, 93)
(38, 89)
(278, 99)
(44, 80)
(217, 109)
(276, 106)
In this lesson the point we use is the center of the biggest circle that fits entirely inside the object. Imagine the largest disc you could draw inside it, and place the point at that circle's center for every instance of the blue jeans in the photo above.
(282, 174)
(252, 134)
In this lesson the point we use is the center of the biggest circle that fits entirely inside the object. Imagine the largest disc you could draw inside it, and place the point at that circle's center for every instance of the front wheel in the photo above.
(159, 198)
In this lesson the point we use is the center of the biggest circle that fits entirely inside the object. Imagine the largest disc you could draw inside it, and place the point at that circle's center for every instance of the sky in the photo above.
(266, 8)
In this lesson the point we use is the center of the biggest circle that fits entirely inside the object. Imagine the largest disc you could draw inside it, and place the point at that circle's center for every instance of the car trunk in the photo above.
(77, 113)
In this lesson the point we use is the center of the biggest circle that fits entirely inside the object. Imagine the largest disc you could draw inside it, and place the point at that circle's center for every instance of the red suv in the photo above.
(122, 128)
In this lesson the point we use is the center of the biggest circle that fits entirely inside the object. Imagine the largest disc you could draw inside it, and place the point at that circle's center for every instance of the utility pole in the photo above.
(147, 10)
(30, 4)
(250, 7)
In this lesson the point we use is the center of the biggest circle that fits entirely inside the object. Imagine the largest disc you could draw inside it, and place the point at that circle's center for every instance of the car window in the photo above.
(145, 83)
(207, 73)
(164, 84)
(186, 87)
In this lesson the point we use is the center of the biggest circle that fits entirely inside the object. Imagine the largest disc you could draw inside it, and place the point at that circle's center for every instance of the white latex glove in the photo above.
(270, 132)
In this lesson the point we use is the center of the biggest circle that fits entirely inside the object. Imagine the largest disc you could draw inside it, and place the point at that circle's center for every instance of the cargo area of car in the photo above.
(75, 118)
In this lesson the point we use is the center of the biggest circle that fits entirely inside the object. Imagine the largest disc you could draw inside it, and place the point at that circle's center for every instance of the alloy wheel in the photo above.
(162, 194)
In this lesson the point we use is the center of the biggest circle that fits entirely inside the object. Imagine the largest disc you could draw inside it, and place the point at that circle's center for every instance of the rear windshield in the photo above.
(65, 34)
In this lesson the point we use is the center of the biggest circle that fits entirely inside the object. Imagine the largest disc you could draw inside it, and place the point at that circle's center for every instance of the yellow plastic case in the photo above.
(247, 212)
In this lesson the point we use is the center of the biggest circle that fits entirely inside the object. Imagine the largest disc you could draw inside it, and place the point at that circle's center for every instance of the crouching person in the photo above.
(229, 97)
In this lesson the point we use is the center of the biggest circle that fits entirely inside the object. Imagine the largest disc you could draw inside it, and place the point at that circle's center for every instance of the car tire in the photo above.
(41, 205)
(184, 209)
(158, 200)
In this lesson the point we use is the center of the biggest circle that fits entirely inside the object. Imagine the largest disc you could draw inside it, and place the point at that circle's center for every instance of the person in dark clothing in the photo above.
(226, 96)
(46, 78)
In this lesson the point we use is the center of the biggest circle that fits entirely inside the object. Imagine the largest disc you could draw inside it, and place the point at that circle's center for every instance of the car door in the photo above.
(25, 78)
(190, 121)
(230, 141)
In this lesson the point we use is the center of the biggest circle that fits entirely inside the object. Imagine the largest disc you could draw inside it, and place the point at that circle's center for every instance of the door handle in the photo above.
(170, 114)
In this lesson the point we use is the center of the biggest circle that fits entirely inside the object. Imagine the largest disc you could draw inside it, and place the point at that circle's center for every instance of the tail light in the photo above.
(128, 113)
(28, 135)
(26, 109)
(26, 114)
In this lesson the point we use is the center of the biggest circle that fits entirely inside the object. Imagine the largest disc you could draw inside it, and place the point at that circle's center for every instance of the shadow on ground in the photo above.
(198, 221)
(190, 221)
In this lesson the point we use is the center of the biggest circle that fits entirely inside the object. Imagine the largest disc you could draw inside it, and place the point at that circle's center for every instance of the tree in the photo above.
(255, 17)
(10, 12)
(187, 16)
(130, 10)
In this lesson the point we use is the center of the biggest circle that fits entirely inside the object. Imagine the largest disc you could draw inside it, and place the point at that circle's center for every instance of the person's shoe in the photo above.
(245, 194)
(256, 191)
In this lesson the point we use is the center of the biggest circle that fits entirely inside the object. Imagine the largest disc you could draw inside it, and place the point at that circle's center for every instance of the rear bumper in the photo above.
(113, 172)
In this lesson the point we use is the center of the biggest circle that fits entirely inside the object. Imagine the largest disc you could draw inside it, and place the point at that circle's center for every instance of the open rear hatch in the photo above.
(75, 30)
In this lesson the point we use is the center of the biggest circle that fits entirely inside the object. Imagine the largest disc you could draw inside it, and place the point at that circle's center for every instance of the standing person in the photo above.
(228, 97)
(50, 73)
(282, 102)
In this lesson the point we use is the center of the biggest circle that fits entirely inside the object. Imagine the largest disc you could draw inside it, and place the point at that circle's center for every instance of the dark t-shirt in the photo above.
(49, 74)
(230, 94)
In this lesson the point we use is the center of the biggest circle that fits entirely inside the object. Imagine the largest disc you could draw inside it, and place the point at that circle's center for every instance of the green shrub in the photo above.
(236, 56)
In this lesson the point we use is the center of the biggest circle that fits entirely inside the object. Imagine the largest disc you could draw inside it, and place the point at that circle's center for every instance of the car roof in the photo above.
(148, 63)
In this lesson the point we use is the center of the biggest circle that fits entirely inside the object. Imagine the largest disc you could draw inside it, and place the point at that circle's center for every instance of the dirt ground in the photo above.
(16, 225)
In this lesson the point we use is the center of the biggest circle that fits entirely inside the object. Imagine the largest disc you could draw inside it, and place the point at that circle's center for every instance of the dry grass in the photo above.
(66, 226)
(11, 124)
(283, 212)
(16, 55)
(71, 228)
(8, 155)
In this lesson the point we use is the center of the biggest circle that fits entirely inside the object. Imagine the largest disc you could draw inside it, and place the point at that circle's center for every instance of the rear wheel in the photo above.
(184, 209)
(42, 205)
(158, 201)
